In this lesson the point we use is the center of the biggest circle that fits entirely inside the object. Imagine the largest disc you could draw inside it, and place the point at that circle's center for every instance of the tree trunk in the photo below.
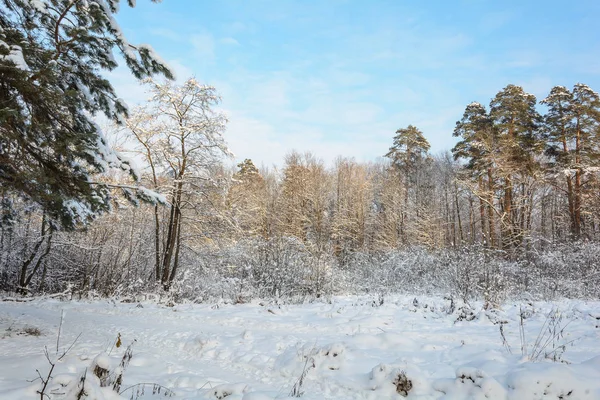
(457, 205)
(508, 223)
(174, 221)
(577, 189)
(40, 259)
(176, 258)
(156, 243)
(24, 277)
(485, 237)
(491, 222)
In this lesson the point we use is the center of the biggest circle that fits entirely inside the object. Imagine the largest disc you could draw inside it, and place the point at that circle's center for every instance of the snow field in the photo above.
(345, 348)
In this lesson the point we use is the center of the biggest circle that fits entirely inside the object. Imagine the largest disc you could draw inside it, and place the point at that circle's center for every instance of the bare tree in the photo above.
(180, 136)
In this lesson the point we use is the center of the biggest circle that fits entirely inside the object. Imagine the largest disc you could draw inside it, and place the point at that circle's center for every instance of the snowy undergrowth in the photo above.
(346, 348)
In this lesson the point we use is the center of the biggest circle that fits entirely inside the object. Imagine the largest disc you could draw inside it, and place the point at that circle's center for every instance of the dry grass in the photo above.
(403, 384)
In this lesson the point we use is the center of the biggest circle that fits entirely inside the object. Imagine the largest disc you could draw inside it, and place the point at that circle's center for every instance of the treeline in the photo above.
(485, 219)
(514, 205)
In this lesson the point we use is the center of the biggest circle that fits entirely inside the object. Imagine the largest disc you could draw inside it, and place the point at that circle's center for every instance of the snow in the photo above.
(106, 157)
(154, 55)
(78, 210)
(340, 348)
(102, 360)
(40, 6)
(151, 195)
(15, 56)
(582, 88)
(475, 104)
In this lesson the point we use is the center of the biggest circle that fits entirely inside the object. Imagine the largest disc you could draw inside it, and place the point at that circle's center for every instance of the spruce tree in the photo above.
(52, 53)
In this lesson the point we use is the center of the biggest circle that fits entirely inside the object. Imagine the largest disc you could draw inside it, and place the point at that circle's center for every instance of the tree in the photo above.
(247, 200)
(388, 205)
(516, 120)
(409, 149)
(409, 156)
(52, 53)
(352, 201)
(571, 128)
(304, 200)
(479, 147)
(559, 133)
(181, 137)
(586, 108)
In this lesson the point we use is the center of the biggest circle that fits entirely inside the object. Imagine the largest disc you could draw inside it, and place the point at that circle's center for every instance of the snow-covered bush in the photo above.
(104, 262)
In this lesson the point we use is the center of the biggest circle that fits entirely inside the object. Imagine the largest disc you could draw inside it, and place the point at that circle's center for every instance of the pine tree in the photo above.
(247, 170)
(516, 121)
(51, 56)
(409, 149)
(571, 128)
(559, 133)
(409, 156)
(586, 108)
(478, 139)
(479, 146)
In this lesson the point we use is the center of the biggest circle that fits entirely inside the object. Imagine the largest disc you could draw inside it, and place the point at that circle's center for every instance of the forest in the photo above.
(141, 259)
(511, 210)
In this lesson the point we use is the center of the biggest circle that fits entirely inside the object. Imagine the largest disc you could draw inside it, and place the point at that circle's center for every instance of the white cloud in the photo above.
(131, 90)
(229, 41)
(181, 71)
(203, 46)
(166, 33)
(126, 85)
(254, 139)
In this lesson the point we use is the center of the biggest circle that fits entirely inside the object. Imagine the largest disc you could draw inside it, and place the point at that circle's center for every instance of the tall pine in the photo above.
(517, 122)
(571, 129)
(410, 157)
(478, 145)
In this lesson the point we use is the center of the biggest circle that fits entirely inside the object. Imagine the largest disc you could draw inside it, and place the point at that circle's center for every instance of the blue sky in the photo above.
(338, 77)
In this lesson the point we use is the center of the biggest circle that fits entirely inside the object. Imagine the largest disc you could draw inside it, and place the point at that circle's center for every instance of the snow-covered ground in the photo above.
(343, 348)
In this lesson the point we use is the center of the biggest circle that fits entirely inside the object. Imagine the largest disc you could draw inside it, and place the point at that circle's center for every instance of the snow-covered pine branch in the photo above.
(52, 53)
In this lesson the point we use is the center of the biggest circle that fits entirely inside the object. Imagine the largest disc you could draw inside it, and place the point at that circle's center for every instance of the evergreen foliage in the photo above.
(52, 53)
(571, 128)
(409, 149)
(478, 138)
